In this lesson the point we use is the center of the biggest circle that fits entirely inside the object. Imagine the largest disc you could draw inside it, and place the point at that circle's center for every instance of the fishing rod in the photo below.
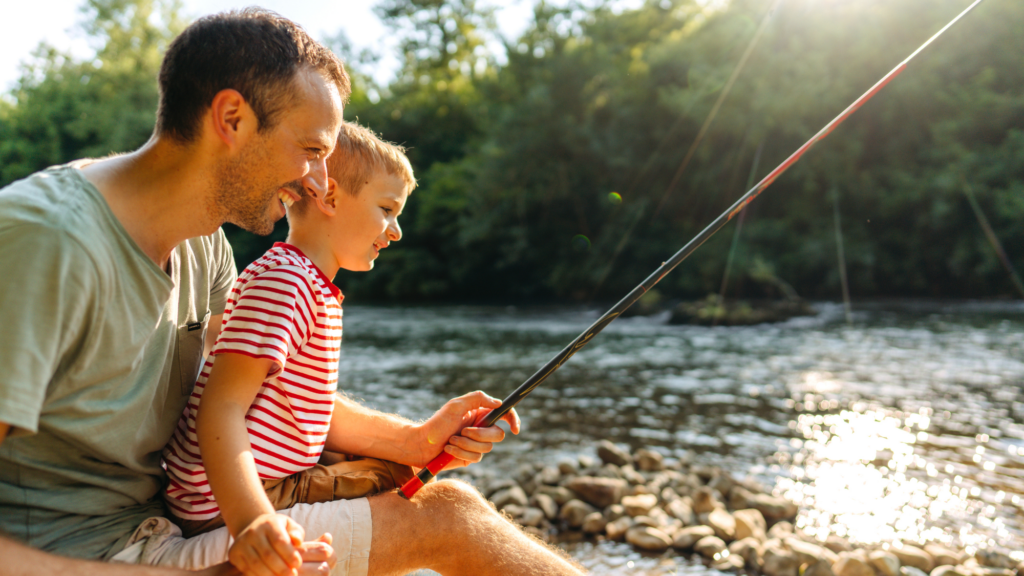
(437, 464)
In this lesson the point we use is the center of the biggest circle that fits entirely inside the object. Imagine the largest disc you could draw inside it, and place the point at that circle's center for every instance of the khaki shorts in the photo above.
(337, 477)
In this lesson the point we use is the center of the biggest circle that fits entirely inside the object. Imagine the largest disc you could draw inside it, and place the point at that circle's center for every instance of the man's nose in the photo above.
(394, 231)
(315, 181)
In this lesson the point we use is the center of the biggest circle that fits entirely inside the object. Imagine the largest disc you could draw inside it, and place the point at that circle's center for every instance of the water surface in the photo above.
(908, 423)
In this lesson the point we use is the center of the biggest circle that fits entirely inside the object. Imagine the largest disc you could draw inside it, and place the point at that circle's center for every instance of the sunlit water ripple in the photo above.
(909, 423)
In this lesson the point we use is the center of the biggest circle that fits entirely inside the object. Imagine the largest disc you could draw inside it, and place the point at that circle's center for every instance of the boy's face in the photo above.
(366, 223)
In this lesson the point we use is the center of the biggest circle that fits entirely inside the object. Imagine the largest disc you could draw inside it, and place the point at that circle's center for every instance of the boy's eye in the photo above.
(386, 209)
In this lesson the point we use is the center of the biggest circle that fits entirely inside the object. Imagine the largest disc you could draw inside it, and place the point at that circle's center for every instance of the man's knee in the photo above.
(454, 495)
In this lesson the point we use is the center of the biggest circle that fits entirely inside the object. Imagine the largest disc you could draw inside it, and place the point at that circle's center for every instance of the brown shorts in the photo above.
(337, 477)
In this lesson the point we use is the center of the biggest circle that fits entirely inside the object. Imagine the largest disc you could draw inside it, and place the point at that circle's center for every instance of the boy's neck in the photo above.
(319, 253)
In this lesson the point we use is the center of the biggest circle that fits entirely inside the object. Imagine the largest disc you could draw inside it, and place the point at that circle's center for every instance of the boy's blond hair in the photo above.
(360, 154)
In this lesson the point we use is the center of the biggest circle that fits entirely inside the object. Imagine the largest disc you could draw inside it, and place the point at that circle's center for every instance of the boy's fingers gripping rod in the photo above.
(438, 464)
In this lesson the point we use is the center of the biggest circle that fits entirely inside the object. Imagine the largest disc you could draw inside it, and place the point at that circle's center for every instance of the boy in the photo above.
(267, 391)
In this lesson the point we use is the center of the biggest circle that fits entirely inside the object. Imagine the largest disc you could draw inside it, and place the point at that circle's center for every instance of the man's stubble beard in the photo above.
(242, 199)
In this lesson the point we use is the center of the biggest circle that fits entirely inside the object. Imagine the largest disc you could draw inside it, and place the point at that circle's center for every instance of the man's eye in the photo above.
(316, 152)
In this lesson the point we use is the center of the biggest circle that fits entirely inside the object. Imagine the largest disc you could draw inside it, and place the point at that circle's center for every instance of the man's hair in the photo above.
(359, 154)
(254, 51)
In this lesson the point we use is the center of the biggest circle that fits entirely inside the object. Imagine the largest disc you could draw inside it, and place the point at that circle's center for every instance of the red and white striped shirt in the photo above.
(283, 308)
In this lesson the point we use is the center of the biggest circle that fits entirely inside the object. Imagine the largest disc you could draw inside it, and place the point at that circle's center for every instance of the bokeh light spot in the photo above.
(614, 198)
(580, 243)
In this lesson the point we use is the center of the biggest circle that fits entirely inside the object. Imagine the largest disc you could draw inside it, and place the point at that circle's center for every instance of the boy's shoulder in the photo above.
(284, 262)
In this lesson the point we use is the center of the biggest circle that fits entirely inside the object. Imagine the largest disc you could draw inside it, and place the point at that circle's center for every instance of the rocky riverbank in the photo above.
(657, 504)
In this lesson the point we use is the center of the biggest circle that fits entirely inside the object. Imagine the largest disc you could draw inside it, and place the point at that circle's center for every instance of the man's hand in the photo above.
(442, 430)
(271, 545)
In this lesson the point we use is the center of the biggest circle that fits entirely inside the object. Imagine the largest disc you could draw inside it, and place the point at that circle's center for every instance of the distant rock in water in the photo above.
(715, 312)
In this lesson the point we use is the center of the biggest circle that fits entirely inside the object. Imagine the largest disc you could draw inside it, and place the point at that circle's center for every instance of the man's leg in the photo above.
(449, 528)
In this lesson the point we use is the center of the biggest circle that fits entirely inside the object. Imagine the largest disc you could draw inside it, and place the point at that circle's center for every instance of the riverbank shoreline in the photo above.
(662, 505)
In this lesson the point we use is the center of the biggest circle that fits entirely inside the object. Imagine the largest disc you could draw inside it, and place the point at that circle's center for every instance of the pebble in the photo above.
(995, 558)
(647, 538)
(649, 460)
(942, 555)
(574, 512)
(778, 560)
(807, 553)
(851, 564)
(723, 524)
(594, 523)
(560, 494)
(750, 523)
(514, 495)
(913, 556)
(687, 537)
(886, 563)
(710, 546)
(704, 500)
(546, 504)
(531, 516)
(821, 568)
(617, 529)
(639, 504)
(748, 549)
(681, 510)
(600, 492)
(611, 454)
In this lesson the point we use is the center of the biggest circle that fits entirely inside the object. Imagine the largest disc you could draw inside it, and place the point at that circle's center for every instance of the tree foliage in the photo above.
(519, 150)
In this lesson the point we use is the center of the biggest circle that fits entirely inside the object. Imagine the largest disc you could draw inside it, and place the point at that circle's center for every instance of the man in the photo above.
(117, 267)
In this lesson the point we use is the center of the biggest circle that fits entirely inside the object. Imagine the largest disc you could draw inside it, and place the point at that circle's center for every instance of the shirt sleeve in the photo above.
(272, 317)
(222, 272)
(47, 307)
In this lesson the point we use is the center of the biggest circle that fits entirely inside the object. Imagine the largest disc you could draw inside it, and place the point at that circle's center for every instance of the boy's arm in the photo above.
(358, 430)
(265, 542)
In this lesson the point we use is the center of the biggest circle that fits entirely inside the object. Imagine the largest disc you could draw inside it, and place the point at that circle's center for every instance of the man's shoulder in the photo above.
(57, 199)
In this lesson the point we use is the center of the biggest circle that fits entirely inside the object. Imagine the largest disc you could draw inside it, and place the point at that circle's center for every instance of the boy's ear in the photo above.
(328, 204)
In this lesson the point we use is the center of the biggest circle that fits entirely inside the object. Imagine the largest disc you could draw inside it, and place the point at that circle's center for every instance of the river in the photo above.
(906, 423)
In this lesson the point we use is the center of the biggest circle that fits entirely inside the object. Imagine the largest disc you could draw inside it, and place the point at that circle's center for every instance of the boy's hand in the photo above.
(269, 546)
(468, 445)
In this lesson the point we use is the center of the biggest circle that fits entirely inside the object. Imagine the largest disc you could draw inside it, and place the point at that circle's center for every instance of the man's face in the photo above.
(365, 224)
(253, 185)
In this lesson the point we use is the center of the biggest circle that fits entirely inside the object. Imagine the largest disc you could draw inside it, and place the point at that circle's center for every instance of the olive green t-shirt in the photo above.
(99, 350)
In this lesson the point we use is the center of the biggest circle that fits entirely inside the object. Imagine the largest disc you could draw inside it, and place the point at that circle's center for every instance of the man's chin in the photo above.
(261, 227)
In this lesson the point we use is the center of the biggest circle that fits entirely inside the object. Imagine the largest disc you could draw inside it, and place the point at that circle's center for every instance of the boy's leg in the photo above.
(448, 527)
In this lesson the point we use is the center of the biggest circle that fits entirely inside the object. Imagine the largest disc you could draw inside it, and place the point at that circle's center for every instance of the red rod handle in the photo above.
(433, 468)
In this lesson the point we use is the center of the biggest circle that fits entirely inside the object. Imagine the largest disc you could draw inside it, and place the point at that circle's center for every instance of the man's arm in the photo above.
(212, 331)
(358, 430)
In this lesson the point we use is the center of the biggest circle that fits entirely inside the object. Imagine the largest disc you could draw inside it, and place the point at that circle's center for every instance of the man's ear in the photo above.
(231, 118)
(328, 204)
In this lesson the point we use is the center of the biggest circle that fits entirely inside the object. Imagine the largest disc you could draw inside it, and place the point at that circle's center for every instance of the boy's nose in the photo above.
(394, 231)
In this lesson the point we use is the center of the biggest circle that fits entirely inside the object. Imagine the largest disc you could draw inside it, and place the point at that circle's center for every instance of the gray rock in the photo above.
(748, 550)
(995, 558)
(946, 570)
(710, 546)
(808, 553)
(640, 504)
(942, 555)
(819, 569)
(574, 512)
(586, 461)
(667, 494)
(646, 521)
(630, 475)
(567, 467)
(614, 512)
(526, 472)
(498, 484)
(780, 530)
(617, 529)
(594, 523)
(546, 504)
(723, 524)
(601, 492)
(913, 556)
(609, 471)
(549, 475)
(704, 500)
(513, 495)
(728, 563)
(911, 571)
(750, 524)
(612, 454)
(837, 544)
(560, 494)
(851, 564)
(687, 537)
(721, 483)
(647, 538)
(773, 509)
(531, 516)
(649, 460)
(777, 560)
(886, 563)
(682, 511)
